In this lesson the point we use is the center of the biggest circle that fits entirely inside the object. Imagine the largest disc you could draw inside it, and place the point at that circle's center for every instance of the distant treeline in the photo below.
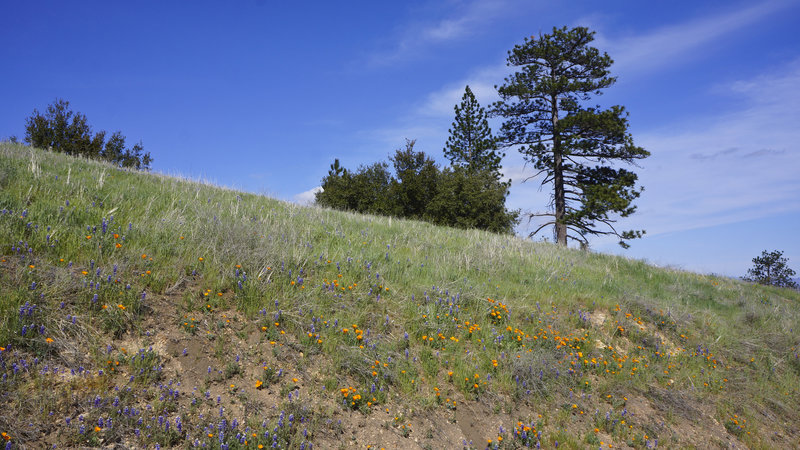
(61, 130)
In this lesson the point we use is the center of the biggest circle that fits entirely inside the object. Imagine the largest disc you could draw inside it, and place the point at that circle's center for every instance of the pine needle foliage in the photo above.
(771, 269)
(573, 146)
(471, 144)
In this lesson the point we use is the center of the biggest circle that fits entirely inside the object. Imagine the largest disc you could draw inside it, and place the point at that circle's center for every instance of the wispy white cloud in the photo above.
(632, 54)
(481, 81)
(468, 19)
(430, 119)
(667, 45)
(307, 197)
(728, 168)
(381, 142)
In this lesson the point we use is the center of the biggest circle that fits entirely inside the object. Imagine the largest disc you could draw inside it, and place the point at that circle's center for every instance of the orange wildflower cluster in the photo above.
(357, 332)
(498, 311)
(334, 284)
(315, 337)
(474, 383)
(356, 400)
(472, 327)
(517, 334)
(736, 424)
(377, 366)
(347, 391)
(523, 428)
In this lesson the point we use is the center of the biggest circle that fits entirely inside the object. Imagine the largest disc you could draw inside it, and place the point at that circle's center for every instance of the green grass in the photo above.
(408, 320)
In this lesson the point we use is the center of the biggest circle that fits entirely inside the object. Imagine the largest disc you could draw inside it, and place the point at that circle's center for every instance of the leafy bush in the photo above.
(460, 197)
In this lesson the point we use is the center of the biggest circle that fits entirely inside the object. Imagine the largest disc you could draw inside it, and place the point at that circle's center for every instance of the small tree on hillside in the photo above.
(371, 189)
(471, 144)
(365, 191)
(415, 185)
(770, 269)
(572, 145)
(335, 188)
(116, 153)
(471, 199)
(60, 129)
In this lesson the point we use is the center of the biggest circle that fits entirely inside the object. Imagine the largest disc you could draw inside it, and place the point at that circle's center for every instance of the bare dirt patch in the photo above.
(674, 415)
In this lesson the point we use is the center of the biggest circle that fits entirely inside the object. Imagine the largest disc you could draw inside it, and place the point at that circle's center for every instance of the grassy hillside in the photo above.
(141, 310)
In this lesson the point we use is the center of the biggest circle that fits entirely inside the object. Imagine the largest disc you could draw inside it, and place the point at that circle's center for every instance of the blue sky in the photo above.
(262, 96)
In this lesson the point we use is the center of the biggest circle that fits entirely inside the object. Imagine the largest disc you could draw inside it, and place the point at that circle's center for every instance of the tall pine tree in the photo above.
(572, 145)
(471, 144)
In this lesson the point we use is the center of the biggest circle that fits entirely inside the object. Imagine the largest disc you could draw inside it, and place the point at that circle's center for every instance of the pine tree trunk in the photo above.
(558, 179)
